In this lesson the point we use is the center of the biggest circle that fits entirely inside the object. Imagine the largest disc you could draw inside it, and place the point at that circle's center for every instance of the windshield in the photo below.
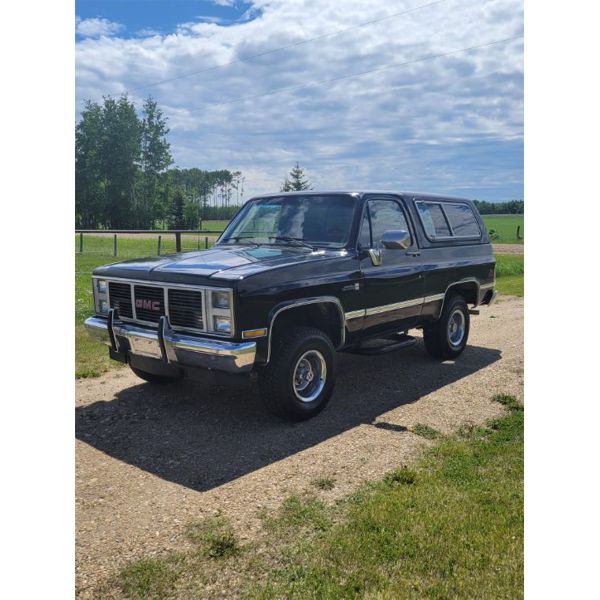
(311, 220)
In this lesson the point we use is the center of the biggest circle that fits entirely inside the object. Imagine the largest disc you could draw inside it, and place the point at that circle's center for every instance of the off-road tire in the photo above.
(276, 380)
(436, 337)
(153, 378)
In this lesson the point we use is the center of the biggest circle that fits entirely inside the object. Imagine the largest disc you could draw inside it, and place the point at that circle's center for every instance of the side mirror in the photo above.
(396, 239)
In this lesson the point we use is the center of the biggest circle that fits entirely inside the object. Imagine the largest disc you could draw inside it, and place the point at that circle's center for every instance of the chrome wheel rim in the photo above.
(310, 375)
(456, 328)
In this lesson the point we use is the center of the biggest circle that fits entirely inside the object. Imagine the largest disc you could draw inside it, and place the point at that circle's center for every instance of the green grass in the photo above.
(214, 225)
(425, 431)
(324, 483)
(505, 228)
(147, 579)
(451, 527)
(213, 537)
(454, 531)
(510, 274)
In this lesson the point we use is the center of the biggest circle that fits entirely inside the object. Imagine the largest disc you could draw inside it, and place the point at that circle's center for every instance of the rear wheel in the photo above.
(448, 336)
(298, 381)
(153, 378)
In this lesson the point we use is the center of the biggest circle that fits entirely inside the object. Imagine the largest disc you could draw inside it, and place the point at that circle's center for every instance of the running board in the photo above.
(402, 341)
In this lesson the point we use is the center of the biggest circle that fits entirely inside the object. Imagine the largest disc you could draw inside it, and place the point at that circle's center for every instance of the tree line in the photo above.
(513, 207)
(124, 178)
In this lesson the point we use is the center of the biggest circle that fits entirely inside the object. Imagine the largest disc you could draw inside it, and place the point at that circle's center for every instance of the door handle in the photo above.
(413, 253)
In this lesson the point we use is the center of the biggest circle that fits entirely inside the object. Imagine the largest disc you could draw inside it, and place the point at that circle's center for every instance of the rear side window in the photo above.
(462, 220)
(448, 220)
(433, 220)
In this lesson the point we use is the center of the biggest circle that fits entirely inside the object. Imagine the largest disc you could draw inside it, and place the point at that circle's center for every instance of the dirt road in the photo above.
(151, 459)
(508, 248)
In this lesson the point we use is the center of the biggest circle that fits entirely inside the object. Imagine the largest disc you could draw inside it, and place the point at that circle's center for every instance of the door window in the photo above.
(384, 215)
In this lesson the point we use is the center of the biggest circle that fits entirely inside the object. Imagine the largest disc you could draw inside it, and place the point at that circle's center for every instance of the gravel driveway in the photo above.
(148, 459)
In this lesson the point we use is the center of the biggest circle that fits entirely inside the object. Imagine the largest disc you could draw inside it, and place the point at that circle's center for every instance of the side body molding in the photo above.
(303, 302)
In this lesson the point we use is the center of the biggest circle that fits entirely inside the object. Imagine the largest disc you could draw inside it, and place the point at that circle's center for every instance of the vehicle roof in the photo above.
(361, 193)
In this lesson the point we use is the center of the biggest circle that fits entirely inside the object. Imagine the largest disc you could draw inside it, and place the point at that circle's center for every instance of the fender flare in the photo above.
(278, 309)
(454, 284)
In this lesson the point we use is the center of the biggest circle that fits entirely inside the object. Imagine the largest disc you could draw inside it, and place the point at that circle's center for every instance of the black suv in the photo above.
(294, 278)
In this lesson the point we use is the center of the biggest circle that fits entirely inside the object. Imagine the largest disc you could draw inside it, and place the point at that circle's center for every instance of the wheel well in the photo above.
(322, 315)
(469, 290)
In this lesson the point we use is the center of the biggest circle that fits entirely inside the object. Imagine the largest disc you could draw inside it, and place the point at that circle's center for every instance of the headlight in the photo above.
(222, 324)
(220, 300)
(101, 286)
(103, 306)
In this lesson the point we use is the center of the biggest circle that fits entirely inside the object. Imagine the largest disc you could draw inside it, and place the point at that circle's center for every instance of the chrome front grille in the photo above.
(186, 308)
(120, 298)
(149, 303)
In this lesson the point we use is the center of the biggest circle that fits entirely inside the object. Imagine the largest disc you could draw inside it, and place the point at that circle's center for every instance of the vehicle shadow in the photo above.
(202, 439)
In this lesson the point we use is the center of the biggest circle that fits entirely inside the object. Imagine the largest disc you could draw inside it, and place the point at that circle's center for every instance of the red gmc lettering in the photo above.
(147, 304)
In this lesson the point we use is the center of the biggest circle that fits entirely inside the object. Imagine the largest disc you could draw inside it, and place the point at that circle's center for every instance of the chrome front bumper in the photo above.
(171, 347)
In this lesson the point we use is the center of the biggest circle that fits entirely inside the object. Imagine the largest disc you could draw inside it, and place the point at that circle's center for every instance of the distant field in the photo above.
(505, 227)
(214, 225)
(510, 274)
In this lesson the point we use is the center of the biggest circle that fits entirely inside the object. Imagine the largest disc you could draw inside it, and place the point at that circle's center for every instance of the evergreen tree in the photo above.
(297, 181)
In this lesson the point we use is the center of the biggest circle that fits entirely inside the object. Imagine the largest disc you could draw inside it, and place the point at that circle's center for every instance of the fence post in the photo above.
(81, 243)
(159, 240)
(518, 232)
(115, 245)
(206, 243)
(178, 241)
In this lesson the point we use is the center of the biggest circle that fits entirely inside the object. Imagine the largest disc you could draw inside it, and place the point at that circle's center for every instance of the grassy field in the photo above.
(214, 225)
(91, 358)
(510, 274)
(505, 227)
(452, 527)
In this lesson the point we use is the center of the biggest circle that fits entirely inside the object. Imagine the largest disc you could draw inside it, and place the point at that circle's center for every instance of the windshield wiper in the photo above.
(291, 240)
(237, 238)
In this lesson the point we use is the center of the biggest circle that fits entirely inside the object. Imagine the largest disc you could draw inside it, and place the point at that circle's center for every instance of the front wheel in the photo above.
(448, 336)
(152, 378)
(298, 381)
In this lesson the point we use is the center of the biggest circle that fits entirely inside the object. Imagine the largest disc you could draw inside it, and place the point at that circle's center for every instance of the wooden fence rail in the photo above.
(176, 232)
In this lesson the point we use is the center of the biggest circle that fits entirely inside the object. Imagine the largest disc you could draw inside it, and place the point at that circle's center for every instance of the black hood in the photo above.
(218, 263)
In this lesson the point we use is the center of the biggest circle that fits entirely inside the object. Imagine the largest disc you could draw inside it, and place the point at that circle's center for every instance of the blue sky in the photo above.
(139, 17)
(427, 115)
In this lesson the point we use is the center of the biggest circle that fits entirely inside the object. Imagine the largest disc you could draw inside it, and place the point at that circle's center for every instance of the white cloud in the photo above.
(97, 27)
(447, 124)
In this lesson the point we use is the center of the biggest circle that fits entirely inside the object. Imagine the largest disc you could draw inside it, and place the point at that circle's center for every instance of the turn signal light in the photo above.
(254, 333)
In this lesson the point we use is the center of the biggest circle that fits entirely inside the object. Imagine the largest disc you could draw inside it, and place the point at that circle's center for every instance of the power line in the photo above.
(352, 75)
(287, 47)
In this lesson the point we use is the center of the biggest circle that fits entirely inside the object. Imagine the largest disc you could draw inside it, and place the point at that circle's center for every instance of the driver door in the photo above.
(393, 278)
